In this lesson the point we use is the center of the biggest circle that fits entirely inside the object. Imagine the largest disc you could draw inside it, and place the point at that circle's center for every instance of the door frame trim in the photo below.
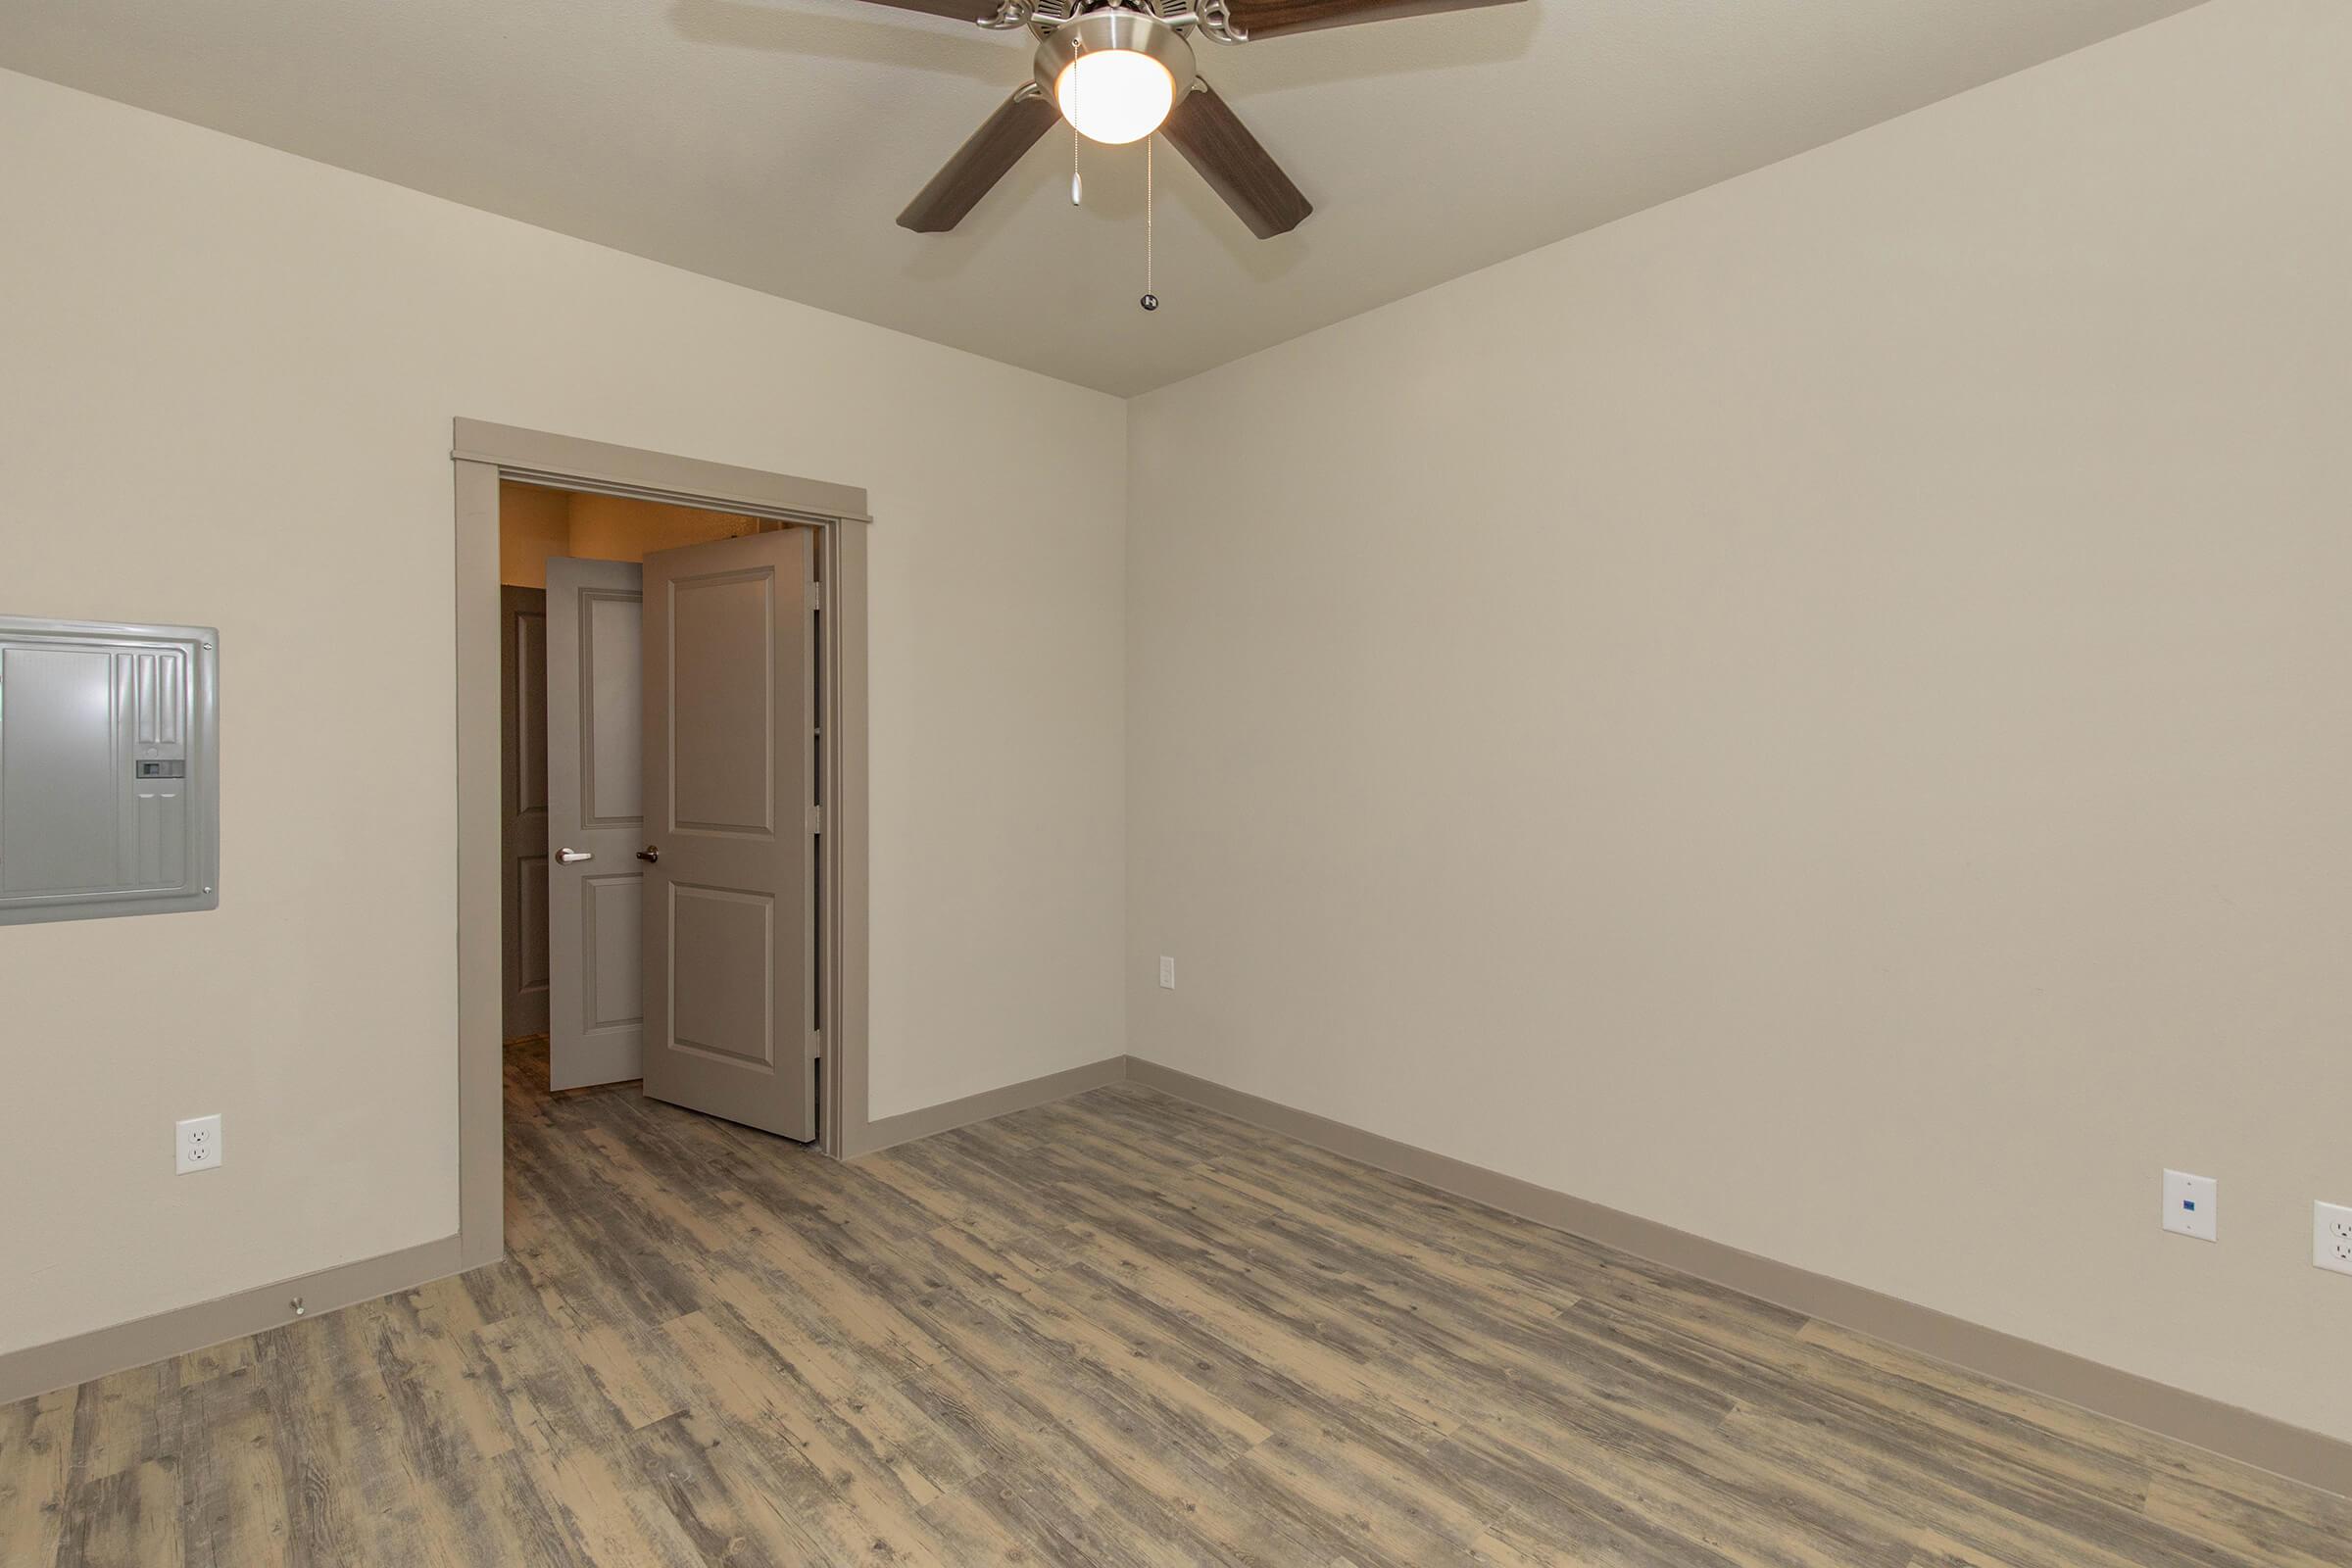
(482, 455)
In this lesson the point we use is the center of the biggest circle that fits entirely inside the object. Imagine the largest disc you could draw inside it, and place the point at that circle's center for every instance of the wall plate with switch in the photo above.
(199, 1144)
(2192, 1205)
(1167, 973)
(2332, 1238)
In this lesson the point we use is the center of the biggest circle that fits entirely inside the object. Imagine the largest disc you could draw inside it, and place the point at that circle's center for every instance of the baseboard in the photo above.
(907, 1126)
(39, 1368)
(2311, 1457)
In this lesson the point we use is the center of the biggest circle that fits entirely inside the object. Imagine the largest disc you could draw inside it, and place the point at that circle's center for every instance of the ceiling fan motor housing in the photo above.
(1115, 27)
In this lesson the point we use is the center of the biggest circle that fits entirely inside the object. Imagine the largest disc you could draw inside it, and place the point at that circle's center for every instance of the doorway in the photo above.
(573, 775)
(676, 791)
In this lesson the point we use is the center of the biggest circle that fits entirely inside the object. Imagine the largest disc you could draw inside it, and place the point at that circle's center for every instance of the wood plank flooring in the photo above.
(1120, 1330)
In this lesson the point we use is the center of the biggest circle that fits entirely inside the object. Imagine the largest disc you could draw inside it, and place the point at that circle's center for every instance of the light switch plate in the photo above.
(1167, 973)
(2192, 1205)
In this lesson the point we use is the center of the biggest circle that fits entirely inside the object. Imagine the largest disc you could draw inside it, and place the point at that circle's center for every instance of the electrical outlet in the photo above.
(2332, 1238)
(2192, 1205)
(1167, 973)
(199, 1144)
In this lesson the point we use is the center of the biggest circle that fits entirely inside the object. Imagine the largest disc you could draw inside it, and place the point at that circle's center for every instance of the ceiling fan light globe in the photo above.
(1116, 96)
(1115, 72)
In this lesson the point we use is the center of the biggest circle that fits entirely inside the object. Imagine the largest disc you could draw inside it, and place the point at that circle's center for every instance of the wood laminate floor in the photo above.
(1117, 1330)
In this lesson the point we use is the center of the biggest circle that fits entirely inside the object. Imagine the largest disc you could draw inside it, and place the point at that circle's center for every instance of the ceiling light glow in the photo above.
(1115, 73)
(1116, 96)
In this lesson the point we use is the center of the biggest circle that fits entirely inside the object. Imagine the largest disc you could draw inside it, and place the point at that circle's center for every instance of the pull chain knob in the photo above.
(1149, 301)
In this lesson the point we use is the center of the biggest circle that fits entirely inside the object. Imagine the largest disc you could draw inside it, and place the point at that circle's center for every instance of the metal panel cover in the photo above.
(109, 769)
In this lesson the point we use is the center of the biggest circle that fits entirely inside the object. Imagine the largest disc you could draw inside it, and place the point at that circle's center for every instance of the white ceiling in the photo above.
(773, 142)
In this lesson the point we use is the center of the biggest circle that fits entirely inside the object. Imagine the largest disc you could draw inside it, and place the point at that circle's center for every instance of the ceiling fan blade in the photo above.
(1214, 141)
(1265, 19)
(953, 9)
(981, 161)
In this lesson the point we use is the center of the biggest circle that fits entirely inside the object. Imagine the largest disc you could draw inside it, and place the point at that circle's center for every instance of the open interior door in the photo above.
(730, 899)
(595, 823)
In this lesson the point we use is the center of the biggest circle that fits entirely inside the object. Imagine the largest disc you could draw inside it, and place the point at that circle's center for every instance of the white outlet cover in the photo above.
(2332, 1238)
(1167, 973)
(199, 1144)
(2192, 1205)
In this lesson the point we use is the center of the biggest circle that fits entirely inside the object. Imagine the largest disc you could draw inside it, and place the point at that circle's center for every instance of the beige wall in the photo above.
(535, 523)
(203, 338)
(1820, 713)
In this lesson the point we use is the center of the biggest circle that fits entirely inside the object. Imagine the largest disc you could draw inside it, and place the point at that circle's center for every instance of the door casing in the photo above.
(483, 454)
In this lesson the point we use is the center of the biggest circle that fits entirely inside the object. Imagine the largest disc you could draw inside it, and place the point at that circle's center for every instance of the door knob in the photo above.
(568, 856)
(651, 852)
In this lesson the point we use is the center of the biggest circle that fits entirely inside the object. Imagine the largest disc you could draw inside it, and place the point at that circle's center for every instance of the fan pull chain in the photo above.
(1149, 301)
(1077, 185)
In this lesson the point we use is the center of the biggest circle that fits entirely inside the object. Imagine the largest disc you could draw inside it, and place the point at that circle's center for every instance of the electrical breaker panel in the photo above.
(109, 769)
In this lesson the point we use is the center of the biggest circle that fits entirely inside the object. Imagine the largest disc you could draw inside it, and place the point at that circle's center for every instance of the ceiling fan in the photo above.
(1121, 69)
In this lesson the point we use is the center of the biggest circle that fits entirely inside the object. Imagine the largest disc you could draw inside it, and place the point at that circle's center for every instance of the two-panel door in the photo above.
(595, 822)
(731, 770)
(682, 824)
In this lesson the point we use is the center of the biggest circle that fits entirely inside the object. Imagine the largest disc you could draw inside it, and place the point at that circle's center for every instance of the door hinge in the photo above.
(816, 819)
(816, 595)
